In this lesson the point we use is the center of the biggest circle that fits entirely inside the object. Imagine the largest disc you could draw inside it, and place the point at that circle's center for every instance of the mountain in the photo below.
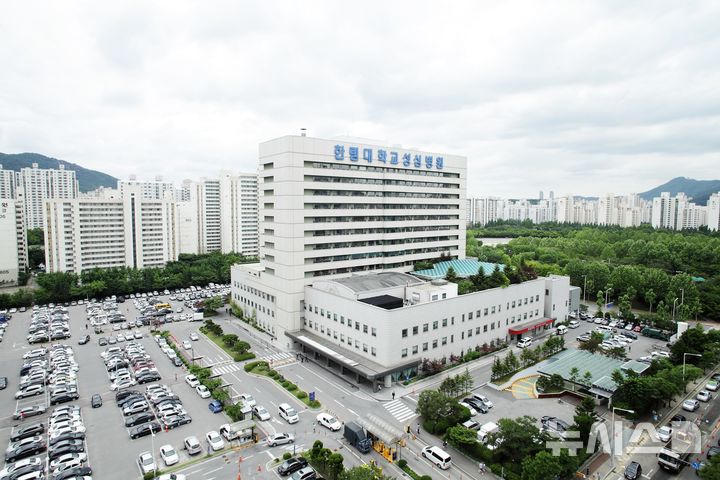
(699, 190)
(87, 179)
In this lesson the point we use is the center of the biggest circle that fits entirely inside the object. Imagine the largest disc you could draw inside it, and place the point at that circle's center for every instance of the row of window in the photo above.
(255, 291)
(338, 318)
(340, 336)
(260, 308)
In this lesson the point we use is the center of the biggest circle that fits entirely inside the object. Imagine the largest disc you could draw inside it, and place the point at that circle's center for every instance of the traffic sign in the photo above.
(695, 465)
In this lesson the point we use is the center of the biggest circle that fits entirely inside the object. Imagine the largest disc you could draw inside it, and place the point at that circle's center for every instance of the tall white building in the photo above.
(713, 212)
(13, 242)
(206, 196)
(42, 184)
(483, 210)
(152, 190)
(677, 213)
(132, 231)
(8, 183)
(239, 213)
(329, 209)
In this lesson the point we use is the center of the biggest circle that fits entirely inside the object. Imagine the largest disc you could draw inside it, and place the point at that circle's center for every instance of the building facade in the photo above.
(41, 184)
(329, 209)
(8, 184)
(13, 242)
(239, 213)
(151, 190)
(131, 231)
(713, 212)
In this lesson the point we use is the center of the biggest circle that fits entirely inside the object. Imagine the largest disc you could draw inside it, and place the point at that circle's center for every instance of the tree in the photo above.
(574, 376)
(511, 362)
(543, 466)
(520, 438)
(592, 345)
(212, 304)
(440, 411)
(451, 275)
(363, 472)
(711, 470)
(650, 297)
(587, 378)
(584, 417)
(600, 302)
(479, 280)
(497, 278)
(617, 353)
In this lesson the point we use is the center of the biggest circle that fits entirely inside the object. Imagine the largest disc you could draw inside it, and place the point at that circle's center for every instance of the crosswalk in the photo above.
(399, 410)
(230, 367)
(281, 358)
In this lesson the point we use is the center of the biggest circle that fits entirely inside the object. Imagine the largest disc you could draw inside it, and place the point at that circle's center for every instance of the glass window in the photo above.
(415, 330)
(357, 326)
(403, 353)
(470, 315)
(469, 332)
(349, 322)
(434, 343)
(425, 346)
(335, 316)
(365, 347)
(373, 351)
(444, 324)
(374, 332)
(415, 349)
(435, 325)
(485, 312)
(484, 328)
(425, 327)
(365, 328)
(493, 309)
(342, 319)
(404, 332)
(444, 340)
(477, 314)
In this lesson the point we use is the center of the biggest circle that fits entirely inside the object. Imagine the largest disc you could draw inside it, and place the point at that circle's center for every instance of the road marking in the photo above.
(399, 410)
(318, 390)
(351, 411)
(270, 454)
(301, 378)
(339, 403)
(195, 471)
(213, 471)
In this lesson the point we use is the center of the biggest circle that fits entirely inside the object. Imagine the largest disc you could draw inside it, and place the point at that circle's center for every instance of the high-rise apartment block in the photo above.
(13, 241)
(131, 231)
(330, 209)
(151, 190)
(713, 212)
(8, 184)
(239, 213)
(42, 184)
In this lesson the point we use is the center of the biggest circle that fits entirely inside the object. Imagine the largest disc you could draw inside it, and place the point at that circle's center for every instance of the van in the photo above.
(288, 413)
(603, 328)
(561, 330)
(574, 324)
(438, 456)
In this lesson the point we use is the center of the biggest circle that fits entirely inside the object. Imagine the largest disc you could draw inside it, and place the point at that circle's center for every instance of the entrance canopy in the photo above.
(532, 326)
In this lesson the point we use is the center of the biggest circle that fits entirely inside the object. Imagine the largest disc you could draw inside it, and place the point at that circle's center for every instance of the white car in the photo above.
(203, 391)
(247, 400)
(172, 476)
(328, 421)
(664, 433)
(169, 455)
(473, 412)
(574, 324)
(194, 337)
(146, 462)
(280, 439)
(187, 345)
(5, 472)
(690, 405)
(215, 441)
(36, 353)
(704, 396)
(192, 380)
(524, 342)
(67, 461)
(260, 412)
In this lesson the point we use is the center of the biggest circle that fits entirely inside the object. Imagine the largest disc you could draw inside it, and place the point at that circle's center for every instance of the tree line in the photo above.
(61, 287)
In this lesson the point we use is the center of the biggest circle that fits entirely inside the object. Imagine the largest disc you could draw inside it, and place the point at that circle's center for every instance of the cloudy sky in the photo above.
(577, 97)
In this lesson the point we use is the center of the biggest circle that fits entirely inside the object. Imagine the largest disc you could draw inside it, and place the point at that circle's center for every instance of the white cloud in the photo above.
(575, 97)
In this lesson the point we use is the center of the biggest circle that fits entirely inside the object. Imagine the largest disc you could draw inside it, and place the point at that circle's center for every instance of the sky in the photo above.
(578, 97)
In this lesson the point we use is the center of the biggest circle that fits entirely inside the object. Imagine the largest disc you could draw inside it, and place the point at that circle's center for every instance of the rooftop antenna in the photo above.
(303, 132)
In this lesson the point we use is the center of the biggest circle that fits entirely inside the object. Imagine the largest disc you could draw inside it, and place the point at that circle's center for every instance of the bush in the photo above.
(251, 365)
(314, 404)
(287, 455)
(301, 394)
(291, 386)
(240, 357)
(402, 463)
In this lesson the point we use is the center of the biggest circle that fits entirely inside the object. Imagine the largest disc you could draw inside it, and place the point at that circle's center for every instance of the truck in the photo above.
(655, 333)
(355, 435)
(197, 317)
(234, 431)
(485, 431)
(676, 453)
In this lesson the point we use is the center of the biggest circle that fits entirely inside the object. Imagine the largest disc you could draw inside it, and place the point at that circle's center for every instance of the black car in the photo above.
(60, 451)
(29, 431)
(167, 401)
(174, 421)
(84, 340)
(633, 471)
(476, 404)
(66, 437)
(138, 419)
(144, 429)
(96, 401)
(147, 378)
(678, 418)
(73, 473)
(20, 472)
(24, 451)
(292, 465)
(3, 383)
(123, 394)
(63, 398)
(713, 451)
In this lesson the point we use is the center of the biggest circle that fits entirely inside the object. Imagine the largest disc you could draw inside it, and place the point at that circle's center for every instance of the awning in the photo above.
(600, 392)
(532, 326)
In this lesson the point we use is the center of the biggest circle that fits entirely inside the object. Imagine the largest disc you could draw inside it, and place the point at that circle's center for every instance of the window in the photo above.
(444, 323)
(316, 309)
(434, 298)
(444, 341)
(444, 295)
(485, 312)
(349, 340)
(434, 343)
(357, 344)
(525, 300)
(492, 326)
(484, 328)
(403, 353)
(342, 338)
(477, 330)
(470, 315)
(469, 332)
(349, 322)
(463, 317)
(342, 319)
(537, 298)
(404, 332)
(462, 335)
(425, 327)
(425, 347)
(365, 347)
(365, 329)
(435, 325)
(547, 292)
(335, 316)
(322, 312)
(452, 338)
(531, 299)
(493, 309)
(513, 304)
(373, 351)
(477, 314)
(357, 326)
(415, 330)
(415, 349)
(374, 332)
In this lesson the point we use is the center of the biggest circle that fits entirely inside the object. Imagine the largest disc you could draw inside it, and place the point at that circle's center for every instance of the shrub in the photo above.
(402, 463)
(301, 394)
(314, 404)
(287, 455)
(251, 365)
(291, 386)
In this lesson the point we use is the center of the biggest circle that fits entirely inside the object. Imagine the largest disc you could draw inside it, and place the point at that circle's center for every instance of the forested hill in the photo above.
(699, 190)
(87, 179)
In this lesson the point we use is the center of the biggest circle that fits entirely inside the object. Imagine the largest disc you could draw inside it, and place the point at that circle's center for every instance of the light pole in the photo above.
(674, 302)
(684, 356)
(612, 453)
(607, 294)
(584, 288)
(152, 453)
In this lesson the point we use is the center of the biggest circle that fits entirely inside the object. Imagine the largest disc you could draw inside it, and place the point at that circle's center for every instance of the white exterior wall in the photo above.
(43, 184)
(151, 190)
(239, 213)
(444, 327)
(301, 239)
(188, 228)
(713, 212)
(13, 254)
(8, 183)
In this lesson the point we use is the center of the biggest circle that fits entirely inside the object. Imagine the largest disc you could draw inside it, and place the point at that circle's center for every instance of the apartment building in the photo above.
(333, 208)
(13, 242)
(151, 190)
(42, 184)
(8, 183)
(132, 231)
(239, 213)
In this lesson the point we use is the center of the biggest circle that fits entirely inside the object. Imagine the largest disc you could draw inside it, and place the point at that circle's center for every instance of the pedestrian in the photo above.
(86, 326)
(444, 443)
(418, 429)
(393, 395)
(481, 468)
(313, 427)
(176, 377)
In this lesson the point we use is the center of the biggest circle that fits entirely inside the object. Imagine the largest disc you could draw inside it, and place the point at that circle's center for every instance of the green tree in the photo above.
(212, 304)
(362, 472)
(574, 376)
(650, 298)
(543, 466)
(451, 275)
(711, 470)
(587, 378)
(519, 438)
(584, 418)
(592, 345)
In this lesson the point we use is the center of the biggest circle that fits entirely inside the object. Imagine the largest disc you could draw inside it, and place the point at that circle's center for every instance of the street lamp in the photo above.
(152, 452)
(684, 356)
(674, 302)
(612, 453)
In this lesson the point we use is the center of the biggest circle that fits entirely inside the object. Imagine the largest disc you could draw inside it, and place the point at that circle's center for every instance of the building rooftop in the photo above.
(463, 268)
(599, 366)
(375, 281)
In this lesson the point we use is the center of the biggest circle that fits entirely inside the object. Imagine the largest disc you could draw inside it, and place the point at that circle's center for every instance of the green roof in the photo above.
(600, 366)
(463, 268)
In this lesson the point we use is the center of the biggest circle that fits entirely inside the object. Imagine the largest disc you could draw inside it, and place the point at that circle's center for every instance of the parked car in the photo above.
(690, 405)
(664, 433)
(203, 391)
(169, 455)
(280, 439)
(215, 440)
(292, 465)
(704, 396)
(96, 401)
(260, 412)
(712, 385)
(192, 445)
(215, 406)
(633, 471)
(144, 429)
(146, 463)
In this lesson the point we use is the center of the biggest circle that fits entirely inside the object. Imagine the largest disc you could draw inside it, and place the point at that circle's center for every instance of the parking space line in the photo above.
(213, 471)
